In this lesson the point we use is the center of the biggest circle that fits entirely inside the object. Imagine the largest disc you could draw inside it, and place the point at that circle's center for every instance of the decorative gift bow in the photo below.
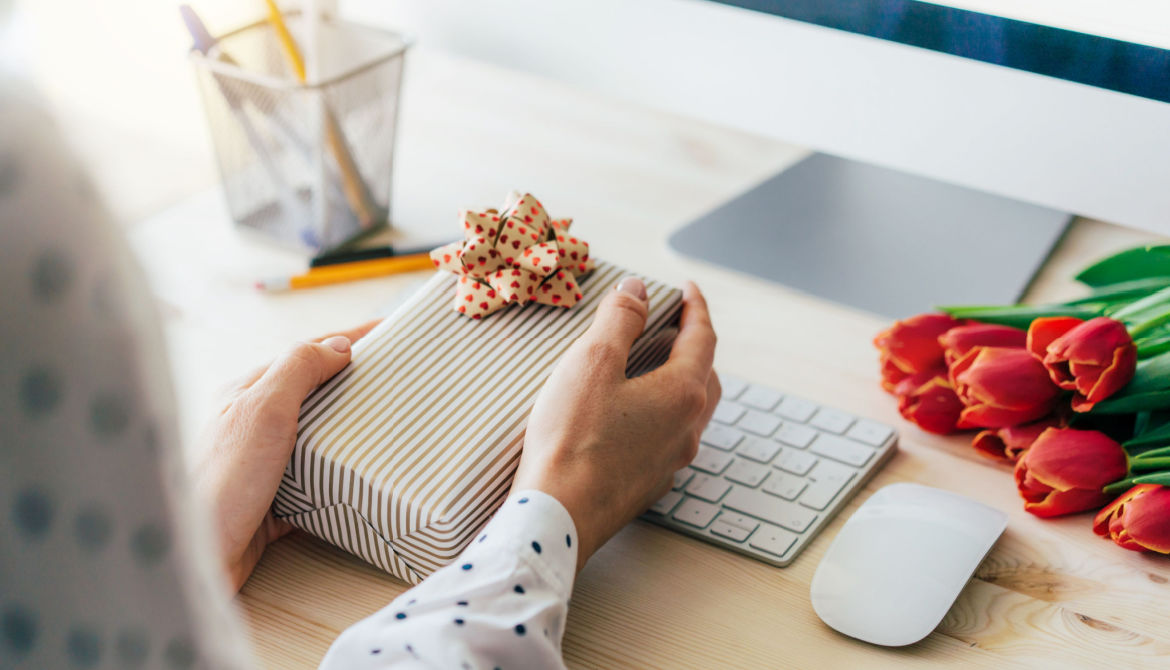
(517, 255)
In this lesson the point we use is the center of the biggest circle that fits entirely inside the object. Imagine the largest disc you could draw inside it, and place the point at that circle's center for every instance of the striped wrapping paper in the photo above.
(404, 455)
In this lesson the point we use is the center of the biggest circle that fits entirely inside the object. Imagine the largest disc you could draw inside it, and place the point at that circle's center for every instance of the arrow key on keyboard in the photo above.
(772, 540)
(724, 529)
(770, 509)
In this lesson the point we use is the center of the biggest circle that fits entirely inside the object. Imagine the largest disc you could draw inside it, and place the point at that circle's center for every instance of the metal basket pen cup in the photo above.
(308, 165)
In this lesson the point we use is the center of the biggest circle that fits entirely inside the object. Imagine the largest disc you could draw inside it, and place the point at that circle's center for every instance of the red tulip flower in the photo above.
(1008, 444)
(957, 341)
(1138, 520)
(1065, 469)
(928, 400)
(911, 346)
(1001, 387)
(1094, 358)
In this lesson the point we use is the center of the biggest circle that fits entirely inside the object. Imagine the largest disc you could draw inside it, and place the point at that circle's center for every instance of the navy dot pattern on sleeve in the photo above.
(90, 524)
(519, 582)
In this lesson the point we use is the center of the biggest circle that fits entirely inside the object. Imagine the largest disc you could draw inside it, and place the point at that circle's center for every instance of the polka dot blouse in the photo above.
(104, 559)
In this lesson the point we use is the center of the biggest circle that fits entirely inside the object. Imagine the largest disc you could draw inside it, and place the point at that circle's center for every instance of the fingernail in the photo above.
(338, 343)
(633, 286)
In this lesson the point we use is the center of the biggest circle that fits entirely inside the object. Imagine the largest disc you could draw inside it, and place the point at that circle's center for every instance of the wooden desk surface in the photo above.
(1051, 593)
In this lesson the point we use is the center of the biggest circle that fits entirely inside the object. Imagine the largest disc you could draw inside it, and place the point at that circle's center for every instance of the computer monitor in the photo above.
(955, 137)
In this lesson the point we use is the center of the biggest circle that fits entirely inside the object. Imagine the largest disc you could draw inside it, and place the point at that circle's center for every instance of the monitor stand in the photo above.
(877, 239)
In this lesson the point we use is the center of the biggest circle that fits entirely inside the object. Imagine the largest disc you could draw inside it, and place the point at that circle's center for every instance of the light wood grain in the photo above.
(1051, 594)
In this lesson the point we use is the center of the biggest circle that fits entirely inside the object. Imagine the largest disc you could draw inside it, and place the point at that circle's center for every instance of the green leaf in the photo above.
(1159, 435)
(1138, 263)
(1152, 374)
(1124, 485)
(1017, 316)
(1140, 310)
(1133, 403)
(1153, 346)
(1151, 453)
(1123, 291)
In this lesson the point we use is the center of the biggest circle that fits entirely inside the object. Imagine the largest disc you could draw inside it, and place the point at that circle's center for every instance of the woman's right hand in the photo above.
(605, 446)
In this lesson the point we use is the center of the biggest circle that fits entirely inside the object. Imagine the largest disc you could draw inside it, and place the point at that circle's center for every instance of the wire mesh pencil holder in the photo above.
(308, 165)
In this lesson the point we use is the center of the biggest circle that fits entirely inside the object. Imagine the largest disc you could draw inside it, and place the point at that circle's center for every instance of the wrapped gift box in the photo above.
(404, 455)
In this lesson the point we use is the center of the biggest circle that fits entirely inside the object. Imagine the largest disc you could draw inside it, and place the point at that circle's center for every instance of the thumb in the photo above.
(293, 376)
(621, 316)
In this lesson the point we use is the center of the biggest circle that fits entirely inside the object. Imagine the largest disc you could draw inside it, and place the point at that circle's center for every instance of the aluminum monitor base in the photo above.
(877, 239)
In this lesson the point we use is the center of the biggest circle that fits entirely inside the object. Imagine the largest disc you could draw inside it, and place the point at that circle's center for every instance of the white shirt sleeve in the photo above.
(500, 605)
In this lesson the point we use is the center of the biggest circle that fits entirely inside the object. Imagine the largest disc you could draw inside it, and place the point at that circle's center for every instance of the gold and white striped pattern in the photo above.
(405, 454)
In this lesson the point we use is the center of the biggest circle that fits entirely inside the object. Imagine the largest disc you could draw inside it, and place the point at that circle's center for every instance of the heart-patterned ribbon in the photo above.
(517, 254)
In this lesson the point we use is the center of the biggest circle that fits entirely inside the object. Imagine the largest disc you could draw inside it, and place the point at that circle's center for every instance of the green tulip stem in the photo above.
(1147, 303)
(1149, 324)
(1153, 347)
(1126, 484)
(1145, 464)
(1153, 453)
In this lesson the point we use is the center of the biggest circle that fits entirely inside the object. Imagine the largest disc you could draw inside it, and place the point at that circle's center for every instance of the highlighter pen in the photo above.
(335, 274)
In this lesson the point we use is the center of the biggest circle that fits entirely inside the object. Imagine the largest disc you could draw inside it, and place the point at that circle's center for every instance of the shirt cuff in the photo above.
(536, 528)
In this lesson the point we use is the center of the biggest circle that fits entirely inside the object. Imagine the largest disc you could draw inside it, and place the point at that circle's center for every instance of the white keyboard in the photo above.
(771, 471)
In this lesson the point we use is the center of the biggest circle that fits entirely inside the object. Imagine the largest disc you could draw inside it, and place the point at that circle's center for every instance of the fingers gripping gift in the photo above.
(403, 455)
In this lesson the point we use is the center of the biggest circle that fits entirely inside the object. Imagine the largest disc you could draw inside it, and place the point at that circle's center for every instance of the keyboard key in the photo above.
(739, 521)
(721, 437)
(772, 540)
(828, 478)
(832, 420)
(727, 412)
(695, 513)
(796, 435)
(712, 460)
(681, 477)
(760, 398)
(758, 449)
(747, 473)
(796, 462)
(826, 470)
(759, 423)
(666, 503)
(797, 409)
(770, 509)
(732, 386)
(784, 486)
(724, 529)
(820, 494)
(870, 432)
(707, 487)
(841, 449)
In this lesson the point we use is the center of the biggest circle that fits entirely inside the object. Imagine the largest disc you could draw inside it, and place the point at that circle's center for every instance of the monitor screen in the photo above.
(1100, 60)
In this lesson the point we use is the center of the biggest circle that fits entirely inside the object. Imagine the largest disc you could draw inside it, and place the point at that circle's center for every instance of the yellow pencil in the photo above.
(334, 274)
(351, 179)
(286, 40)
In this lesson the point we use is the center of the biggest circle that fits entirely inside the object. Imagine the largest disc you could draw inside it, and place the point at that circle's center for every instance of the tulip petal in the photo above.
(1044, 331)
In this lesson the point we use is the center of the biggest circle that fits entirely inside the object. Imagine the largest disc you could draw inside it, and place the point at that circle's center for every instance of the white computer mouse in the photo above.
(899, 562)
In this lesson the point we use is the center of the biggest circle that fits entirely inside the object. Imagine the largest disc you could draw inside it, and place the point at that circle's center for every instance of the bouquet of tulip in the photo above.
(1076, 394)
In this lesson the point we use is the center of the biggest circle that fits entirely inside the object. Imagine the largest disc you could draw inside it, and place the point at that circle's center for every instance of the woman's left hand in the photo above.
(247, 447)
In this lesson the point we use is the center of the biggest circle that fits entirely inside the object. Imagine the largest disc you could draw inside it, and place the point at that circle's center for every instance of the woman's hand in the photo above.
(605, 446)
(249, 444)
